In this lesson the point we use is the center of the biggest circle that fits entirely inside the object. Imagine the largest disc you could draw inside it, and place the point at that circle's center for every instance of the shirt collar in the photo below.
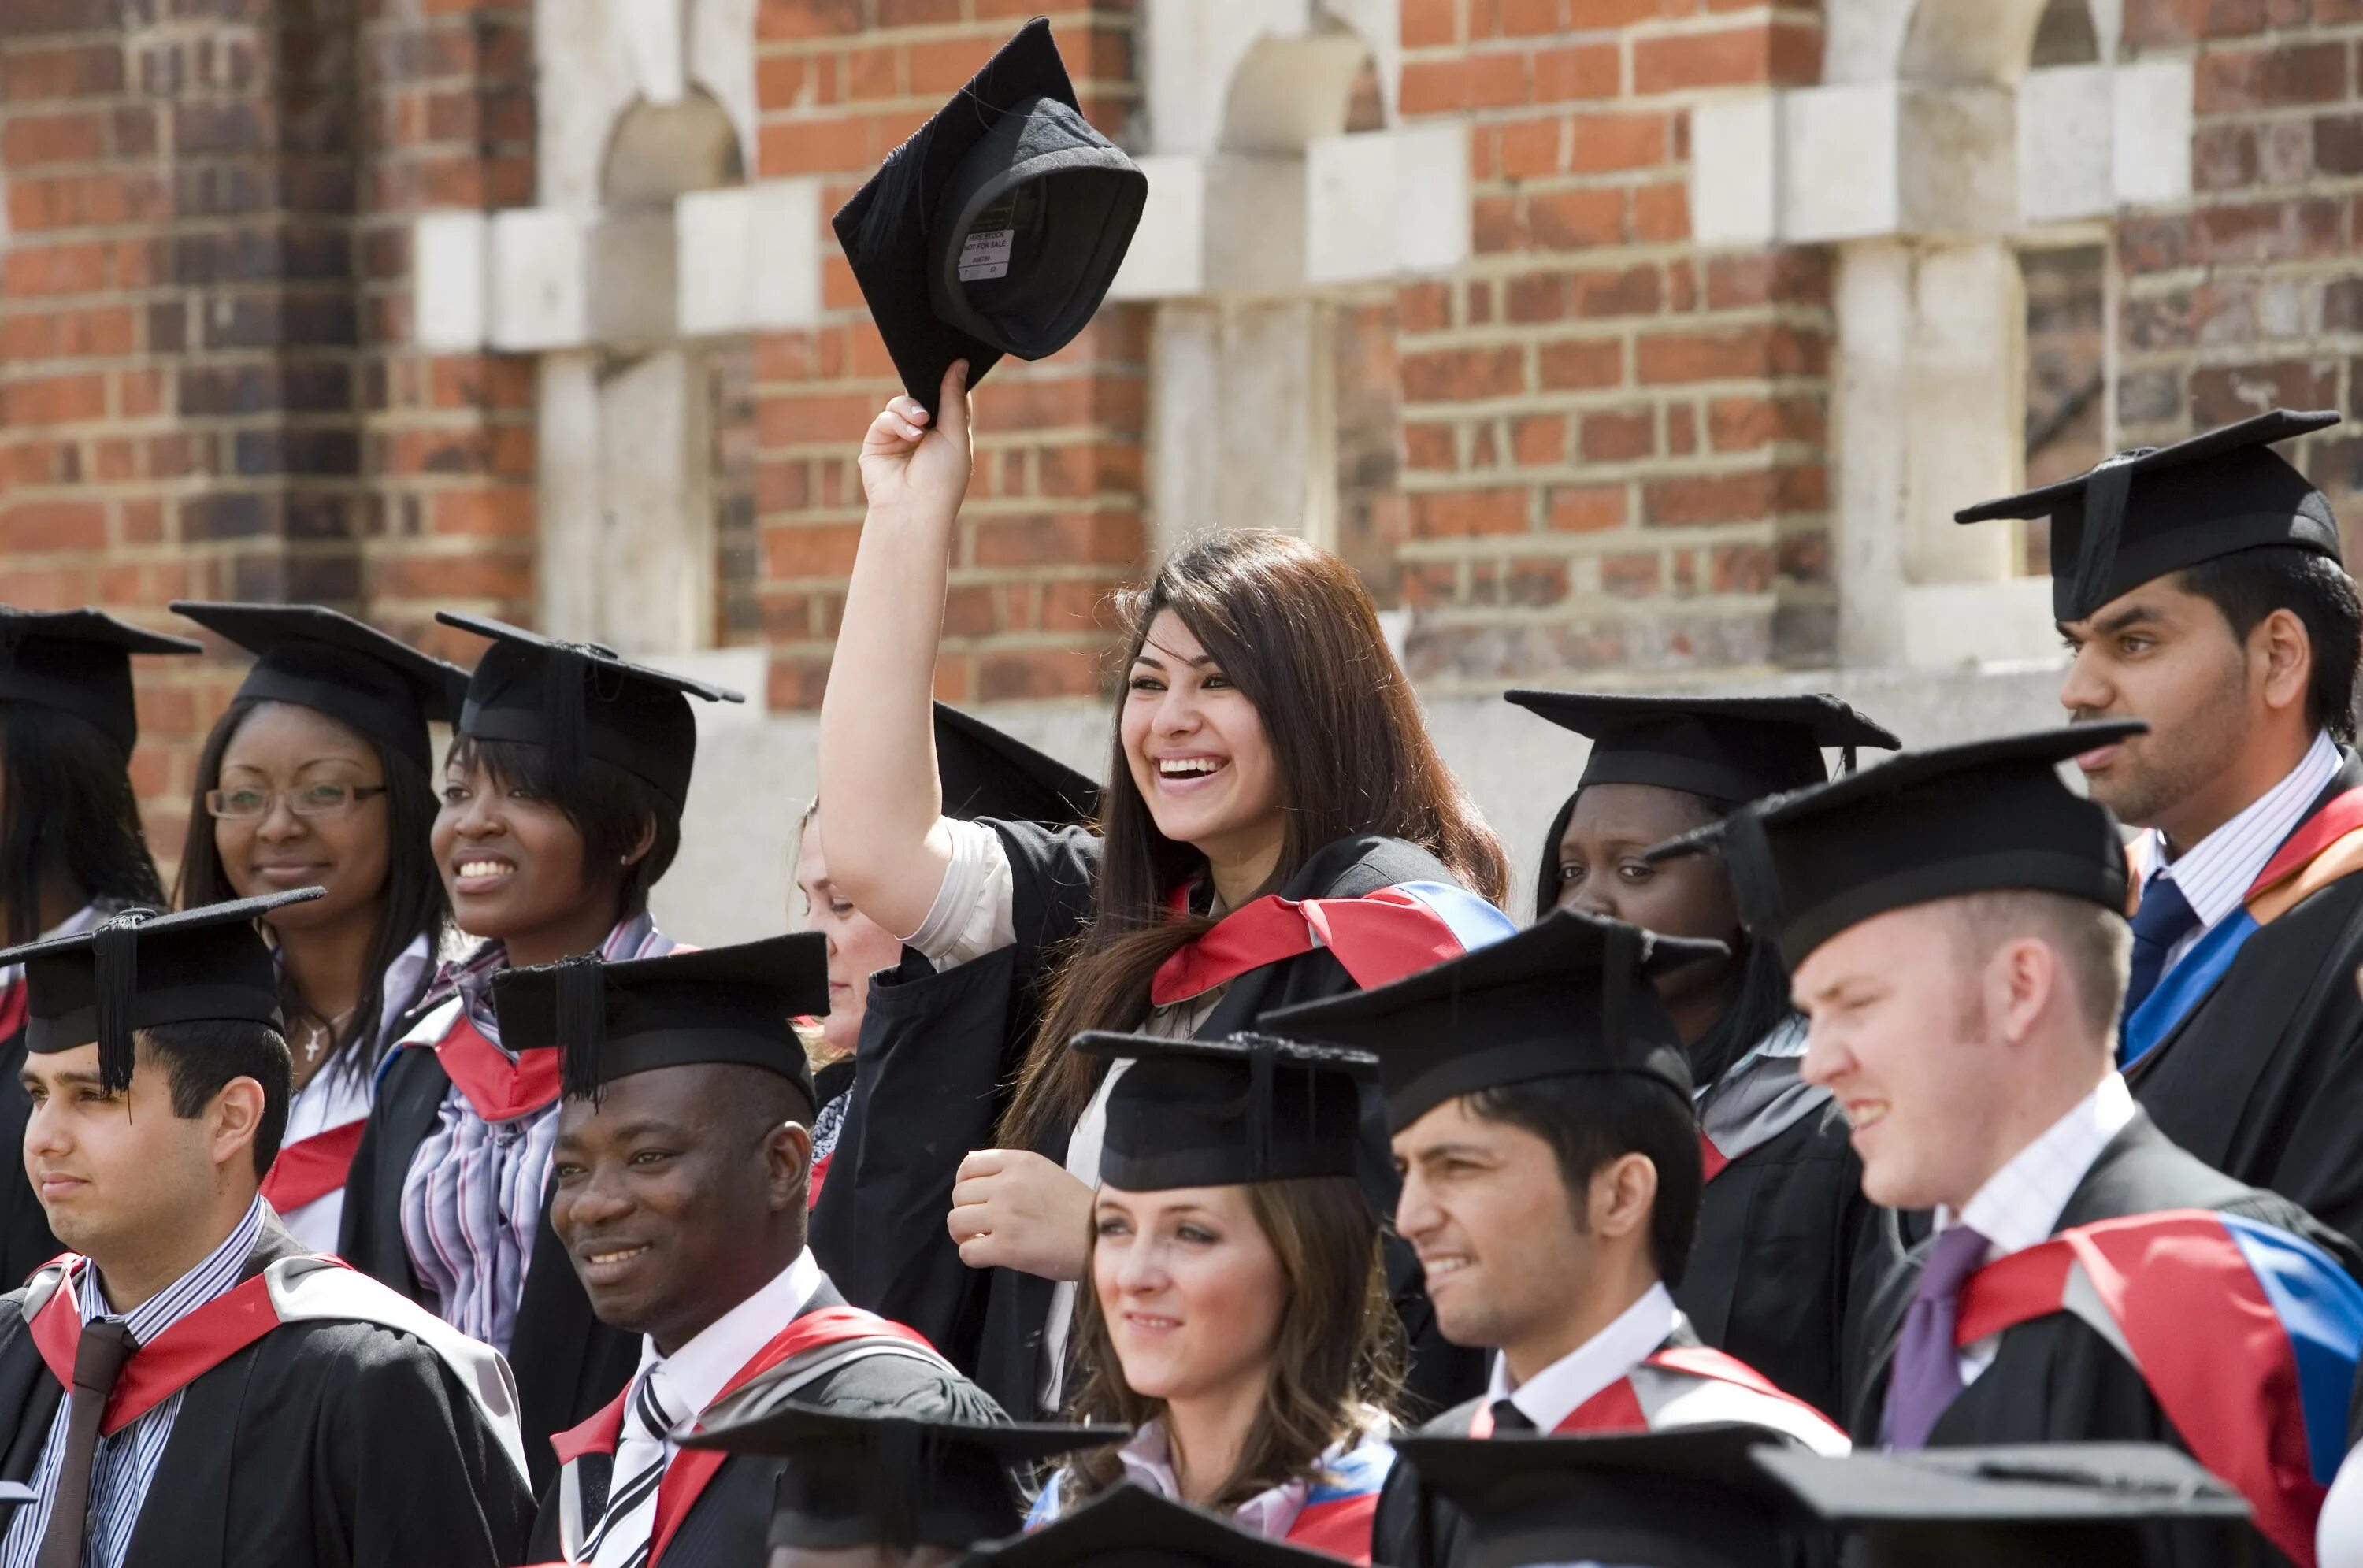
(693, 1375)
(211, 1277)
(2215, 873)
(1558, 1390)
(2021, 1203)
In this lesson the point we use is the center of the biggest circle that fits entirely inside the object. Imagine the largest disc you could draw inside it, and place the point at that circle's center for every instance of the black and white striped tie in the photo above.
(625, 1530)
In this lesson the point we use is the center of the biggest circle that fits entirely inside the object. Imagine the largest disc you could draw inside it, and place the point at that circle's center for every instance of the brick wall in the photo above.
(1054, 517)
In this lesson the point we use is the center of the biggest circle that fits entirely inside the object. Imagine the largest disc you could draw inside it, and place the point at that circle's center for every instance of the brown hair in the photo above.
(1337, 1364)
(1293, 627)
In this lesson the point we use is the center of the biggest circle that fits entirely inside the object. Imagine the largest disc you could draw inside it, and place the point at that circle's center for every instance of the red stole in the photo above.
(500, 1090)
(1618, 1407)
(813, 1182)
(1377, 938)
(1711, 1157)
(13, 1008)
(685, 1478)
(311, 1168)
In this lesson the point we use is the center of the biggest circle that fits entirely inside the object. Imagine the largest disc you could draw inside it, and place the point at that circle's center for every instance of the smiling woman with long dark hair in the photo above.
(1267, 755)
(317, 775)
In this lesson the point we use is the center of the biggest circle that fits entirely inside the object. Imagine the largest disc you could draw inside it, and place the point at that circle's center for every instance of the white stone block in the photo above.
(1255, 225)
(748, 257)
(449, 308)
(1956, 159)
(2067, 129)
(2151, 146)
(1168, 256)
(1958, 625)
(1838, 162)
(1735, 171)
(745, 670)
(1352, 213)
(540, 277)
(650, 32)
(1432, 204)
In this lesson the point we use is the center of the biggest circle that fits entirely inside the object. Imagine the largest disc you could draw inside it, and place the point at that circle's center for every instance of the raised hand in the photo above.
(909, 468)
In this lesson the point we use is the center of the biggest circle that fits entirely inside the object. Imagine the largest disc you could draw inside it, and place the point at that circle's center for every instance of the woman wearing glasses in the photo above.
(319, 775)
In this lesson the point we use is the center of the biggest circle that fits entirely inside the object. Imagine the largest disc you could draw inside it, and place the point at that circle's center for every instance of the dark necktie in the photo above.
(98, 1361)
(1927, 1373)
(1508, 1417)
(2164, 919)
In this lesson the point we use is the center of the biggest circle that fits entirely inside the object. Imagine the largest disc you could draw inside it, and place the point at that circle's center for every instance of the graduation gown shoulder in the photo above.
(324, 1444)
(2054, 1379)
(2262, 1079)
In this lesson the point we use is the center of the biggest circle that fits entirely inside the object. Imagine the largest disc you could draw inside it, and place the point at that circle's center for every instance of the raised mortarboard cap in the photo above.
(138, 968)
(2033, 1506)
(684, 1008)
(317, 658)
(1220, 1112)
(1692, 1497)
(1987, 816)
(78, 662)
(1129, 1527)
(937, 1474)
(997, 227)
(1728, 749)
(988, 774)
(2154, 509)
(582, 701)
(1569, 995)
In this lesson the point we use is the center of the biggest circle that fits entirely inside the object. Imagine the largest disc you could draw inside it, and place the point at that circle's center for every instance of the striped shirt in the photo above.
(472, 1203)
(2215, 873)
(125, 1464)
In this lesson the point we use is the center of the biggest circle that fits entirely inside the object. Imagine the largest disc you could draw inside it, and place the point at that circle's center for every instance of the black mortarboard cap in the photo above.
(1728, 749)
(581, 701)
(682, 1008)
(1689, 1497)
(78, 662)
(1129, 1527)
(138, 968)
(317, 658)
(2032, 1506)
(988, 774)
(997, 227)
(1218, 1112)
(1569, 995)
(1986, 816)
(938, 1474)
(2154, 509)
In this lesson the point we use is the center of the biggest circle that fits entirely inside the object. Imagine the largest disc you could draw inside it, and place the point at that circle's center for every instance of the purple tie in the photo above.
(1927, 1373)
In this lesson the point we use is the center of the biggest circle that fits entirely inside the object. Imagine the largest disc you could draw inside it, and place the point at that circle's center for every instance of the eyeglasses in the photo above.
(322, 800)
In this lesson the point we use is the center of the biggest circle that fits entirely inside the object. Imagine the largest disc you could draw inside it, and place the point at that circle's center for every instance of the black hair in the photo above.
(415, 902)
(2248, 585)
(200, 1058)
(1591, 1119)
(610, 808)
(67, 808)
(1761, 1003)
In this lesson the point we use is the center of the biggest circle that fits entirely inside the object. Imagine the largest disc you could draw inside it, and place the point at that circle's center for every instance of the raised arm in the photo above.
(882, 822)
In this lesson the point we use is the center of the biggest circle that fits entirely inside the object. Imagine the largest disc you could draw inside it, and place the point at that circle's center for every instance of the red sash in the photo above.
(1618, 1407)
(165, 1364)
(1340, 1528)
(691, 1468)
(1712, 1158)
(1377, 938)
(812, 1183)
(311, 1168)
(500, 1090)
(13, 1008)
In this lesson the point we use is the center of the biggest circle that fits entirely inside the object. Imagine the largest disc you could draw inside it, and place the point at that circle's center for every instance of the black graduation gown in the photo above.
(320, 1445)
(568, 1364)
(26, 1241)
(938, 1054)
(1788, 1253)
(2263, 1077)
(2054, 1379)
(729, 1524)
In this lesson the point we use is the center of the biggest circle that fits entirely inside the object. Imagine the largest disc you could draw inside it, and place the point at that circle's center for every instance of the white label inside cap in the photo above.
(986, 255)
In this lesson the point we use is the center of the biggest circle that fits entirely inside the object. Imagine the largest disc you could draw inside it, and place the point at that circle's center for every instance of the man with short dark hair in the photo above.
(191, 1387)
(1540, 1102)
(2201, 590)
(678, 1188)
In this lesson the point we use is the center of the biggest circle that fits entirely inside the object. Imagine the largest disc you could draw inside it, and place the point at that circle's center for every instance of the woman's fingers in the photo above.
(967, 1221)
(952, 398)
(981, 1163)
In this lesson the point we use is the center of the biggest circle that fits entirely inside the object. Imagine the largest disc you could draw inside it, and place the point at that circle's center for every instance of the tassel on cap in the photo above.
(582, 1023)
(115, 953)
(2104, 517)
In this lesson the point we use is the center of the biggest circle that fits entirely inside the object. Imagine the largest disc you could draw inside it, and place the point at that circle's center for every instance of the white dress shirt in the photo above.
(1558, 1390)
(2020, 1204)
(2215, 873)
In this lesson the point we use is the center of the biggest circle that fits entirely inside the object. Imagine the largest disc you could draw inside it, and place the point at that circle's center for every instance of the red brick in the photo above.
(54, 526)
(1433, 87)
(1424, 308)
(807, 18)
(1662, 214)
(1589, 15)
(815, 147)
(1620, 438)
(505, 512)
(1607, 142)
(1022, 673)
(479, 574)
(810, 550)
(1456, 513)
(1630, 574)
(1455, 375)
(1741, 569)
(1580, 363)
(1742, 424)
(1718, 498)
(53, 400)
(2230, 81)
(1738, 352)
(1682, 430)
(1527, 148)
(1057, 540)
(1428, 446)
(1576, 220)
(945, 66)
(1428, 22)
(1496, 80)
(1635, 290)
(1684, 62)
(76, 135)
(1577, 70)
(1539, 439)
(1586, 508)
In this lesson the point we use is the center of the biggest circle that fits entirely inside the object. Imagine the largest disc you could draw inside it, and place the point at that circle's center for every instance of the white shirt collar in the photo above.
(1555, 1393)
(2215, 873)
(2021, 1203)
(693, 1375)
